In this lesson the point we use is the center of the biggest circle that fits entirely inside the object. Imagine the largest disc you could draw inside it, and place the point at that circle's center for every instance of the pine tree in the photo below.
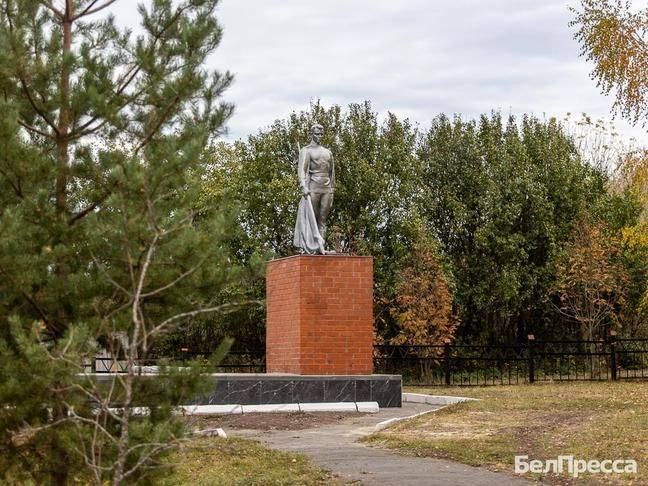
(101, 157)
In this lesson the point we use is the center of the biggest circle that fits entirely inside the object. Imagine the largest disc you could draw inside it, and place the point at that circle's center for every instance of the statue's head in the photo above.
(317, 131)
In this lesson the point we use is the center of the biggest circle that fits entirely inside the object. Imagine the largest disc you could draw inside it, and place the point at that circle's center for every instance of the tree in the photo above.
(598, 142)
(375, 167)
(613, 36)
(632, 180)
(101, 245)
(502, 199)
(591, 283)
(422, 308)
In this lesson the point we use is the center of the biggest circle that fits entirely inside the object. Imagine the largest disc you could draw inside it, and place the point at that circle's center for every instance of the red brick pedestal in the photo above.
(320, 315)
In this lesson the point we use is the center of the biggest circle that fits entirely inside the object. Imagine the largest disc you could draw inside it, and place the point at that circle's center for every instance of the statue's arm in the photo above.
(302, 169)
(332, 172)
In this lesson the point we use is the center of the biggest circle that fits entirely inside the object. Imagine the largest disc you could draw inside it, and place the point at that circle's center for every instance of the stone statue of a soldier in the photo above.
(317, 180)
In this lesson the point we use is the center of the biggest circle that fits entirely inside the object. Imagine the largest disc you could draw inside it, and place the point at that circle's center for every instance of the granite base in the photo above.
(271, 388)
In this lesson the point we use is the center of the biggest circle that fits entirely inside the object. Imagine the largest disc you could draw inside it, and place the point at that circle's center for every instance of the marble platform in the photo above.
(274, 388)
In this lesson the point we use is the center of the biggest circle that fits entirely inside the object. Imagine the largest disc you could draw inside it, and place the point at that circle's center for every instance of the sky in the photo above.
(414, 58)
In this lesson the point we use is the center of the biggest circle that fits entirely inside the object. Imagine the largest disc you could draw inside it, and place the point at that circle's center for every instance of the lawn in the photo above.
(236, 461)
(587, 420)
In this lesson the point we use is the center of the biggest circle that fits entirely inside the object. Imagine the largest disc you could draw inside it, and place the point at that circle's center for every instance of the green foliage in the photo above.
(102, 245)
(32, 442)
(500, 198)
(375, 168)
(368, 213)
(503, 199)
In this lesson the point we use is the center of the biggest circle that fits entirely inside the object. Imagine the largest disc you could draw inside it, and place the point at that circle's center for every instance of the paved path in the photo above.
(334, 447)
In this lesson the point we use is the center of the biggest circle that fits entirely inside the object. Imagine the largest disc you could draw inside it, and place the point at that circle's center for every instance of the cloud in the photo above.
(416, 58)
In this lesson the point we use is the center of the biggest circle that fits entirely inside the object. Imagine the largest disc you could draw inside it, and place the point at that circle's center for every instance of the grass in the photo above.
(236, 461)
(587, 420)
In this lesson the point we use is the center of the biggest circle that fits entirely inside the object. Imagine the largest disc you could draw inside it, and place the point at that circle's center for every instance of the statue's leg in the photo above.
(316, 201)
(322, 212)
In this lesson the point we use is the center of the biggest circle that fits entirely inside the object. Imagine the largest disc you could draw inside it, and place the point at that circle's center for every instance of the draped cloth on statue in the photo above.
(307, 236)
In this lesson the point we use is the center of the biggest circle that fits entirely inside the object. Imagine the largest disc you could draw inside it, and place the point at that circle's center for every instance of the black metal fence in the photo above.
(433, 365)
(234, 362)
(534, 361)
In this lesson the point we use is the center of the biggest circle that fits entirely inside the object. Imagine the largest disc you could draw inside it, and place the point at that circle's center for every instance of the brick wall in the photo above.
(320, 315)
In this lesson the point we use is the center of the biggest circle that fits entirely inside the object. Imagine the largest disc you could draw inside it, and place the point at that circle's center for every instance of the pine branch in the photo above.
(156, 449)
(161, 119)
(229, 307)
(176, 281)
(85, 129)
(108, 277)
(89, 10)
(25, 90)
(15, 186)
(94, 423)
(127, 78)
(34, 129)
(27, 432)
(41, 312)
(81, 214)
(51, 7)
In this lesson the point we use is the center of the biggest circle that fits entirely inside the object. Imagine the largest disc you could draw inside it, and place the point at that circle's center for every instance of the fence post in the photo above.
(613, 356)
(446, 363)
(531, 341)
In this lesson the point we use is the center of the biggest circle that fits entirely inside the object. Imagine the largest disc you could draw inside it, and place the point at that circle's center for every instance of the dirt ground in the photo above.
(269, 421)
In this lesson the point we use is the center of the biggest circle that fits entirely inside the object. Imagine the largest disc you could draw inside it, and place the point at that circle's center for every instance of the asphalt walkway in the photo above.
(335, 448)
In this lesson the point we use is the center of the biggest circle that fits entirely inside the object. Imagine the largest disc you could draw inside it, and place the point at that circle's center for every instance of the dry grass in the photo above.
(235, 461)
(586, 420)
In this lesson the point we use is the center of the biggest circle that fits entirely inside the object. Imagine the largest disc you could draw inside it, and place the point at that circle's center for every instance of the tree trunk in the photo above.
(62, 145)
(60, 460)
(122, 444)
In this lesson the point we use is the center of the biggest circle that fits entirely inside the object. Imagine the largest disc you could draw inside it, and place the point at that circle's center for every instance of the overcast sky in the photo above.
(416, 58)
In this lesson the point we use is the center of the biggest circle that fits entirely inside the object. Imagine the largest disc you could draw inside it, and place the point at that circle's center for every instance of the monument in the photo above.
(316, 174)
(319, 321)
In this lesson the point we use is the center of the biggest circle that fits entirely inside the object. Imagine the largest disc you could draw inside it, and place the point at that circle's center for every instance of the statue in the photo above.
(317, 181)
